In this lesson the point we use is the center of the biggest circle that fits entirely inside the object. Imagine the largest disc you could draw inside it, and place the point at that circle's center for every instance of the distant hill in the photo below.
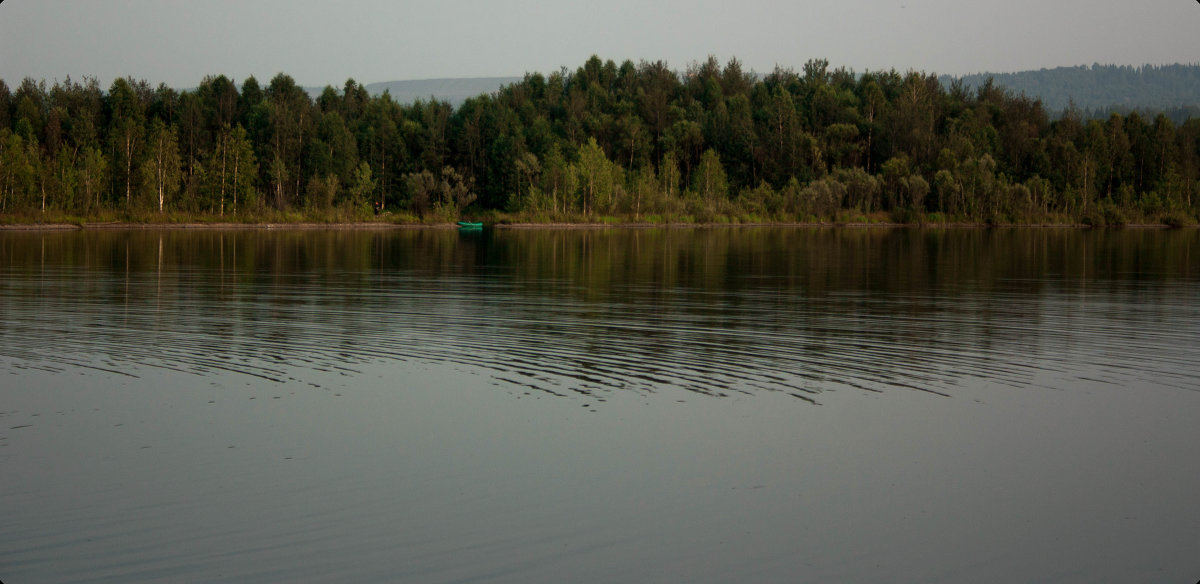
(1095, 90)
(1099, 89)
(455, 91)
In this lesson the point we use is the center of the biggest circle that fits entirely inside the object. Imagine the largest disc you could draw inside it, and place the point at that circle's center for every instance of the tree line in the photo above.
(640, 141)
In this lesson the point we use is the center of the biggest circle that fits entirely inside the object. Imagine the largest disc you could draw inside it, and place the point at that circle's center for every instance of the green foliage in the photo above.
(456, 192)
(710, 182)
(634, 141)
(161, 166)
(322, 192)
(442, 198)
(363, 186)
(596, 178)
(1177, 219)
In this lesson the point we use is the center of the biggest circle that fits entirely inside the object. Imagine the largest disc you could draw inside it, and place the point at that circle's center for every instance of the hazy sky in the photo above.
(326, 42)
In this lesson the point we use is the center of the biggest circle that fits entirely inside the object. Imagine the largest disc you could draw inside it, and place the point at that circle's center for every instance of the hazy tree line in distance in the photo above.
(606, 142)
(1098, 90)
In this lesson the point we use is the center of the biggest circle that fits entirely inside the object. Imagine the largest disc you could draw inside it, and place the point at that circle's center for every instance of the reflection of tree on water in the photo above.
(596, 312)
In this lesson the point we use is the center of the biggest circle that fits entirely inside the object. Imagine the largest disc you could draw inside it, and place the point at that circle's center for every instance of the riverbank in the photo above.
(553, 225)
(344, 219)
(852, 225)
(218, 226)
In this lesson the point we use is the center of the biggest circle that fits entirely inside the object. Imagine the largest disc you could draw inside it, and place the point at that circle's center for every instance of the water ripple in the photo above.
(542, 336)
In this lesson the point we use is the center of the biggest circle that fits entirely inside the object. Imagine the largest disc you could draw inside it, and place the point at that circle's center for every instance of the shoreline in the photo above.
(116, 225)
(380, 226)
(802, 225)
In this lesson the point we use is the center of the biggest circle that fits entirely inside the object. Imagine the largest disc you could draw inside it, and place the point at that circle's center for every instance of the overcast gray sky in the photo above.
(326, 42)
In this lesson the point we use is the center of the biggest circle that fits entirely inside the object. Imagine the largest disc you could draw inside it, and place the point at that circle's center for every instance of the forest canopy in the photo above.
(638, 141)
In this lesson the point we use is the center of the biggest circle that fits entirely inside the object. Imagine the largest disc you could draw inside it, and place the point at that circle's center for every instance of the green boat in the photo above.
(470, 225)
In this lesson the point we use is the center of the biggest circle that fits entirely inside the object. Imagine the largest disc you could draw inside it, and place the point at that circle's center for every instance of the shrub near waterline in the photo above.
(1177, 219)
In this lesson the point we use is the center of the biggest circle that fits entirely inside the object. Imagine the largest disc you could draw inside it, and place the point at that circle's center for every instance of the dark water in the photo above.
(705, 405)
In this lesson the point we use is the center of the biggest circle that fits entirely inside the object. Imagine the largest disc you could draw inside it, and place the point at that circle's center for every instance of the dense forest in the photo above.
(605, 142)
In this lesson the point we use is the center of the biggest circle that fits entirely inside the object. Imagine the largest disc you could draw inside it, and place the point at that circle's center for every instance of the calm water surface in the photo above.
(701, 405)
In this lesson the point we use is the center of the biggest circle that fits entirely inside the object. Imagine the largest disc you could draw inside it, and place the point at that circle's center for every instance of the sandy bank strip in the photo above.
(533, 226)
(598, 226)
(220, 226)
(602, 226)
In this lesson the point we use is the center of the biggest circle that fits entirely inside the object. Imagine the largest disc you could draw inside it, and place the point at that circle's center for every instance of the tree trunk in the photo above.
(128, 170)
(384, 185)
(158, 174)
(236, 157)
(224, 156)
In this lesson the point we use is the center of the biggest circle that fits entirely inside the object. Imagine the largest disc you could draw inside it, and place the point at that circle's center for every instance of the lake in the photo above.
(616, 405)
